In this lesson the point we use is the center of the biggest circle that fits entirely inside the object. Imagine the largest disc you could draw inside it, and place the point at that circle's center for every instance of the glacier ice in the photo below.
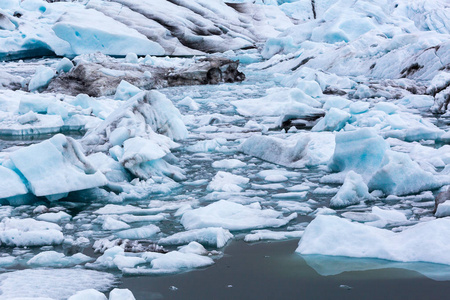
(34, 283)
(352, 191)
(227, 182)
(11, 184)
(361, 151)
(56, 167)
(399, 175)
(260, 235)
(91, 294)
(176, 261)
(233, 216)
(29, 232)
(55, 259)
(41, 79)
(209, 236)
(331, 235)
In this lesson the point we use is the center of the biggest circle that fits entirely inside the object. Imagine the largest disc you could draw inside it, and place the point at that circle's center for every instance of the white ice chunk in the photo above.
(121, 294)
(138, 150)
(331, 235)
(112, 224)
(417, 101)
(399, 175)
(361, 151)
(443, 209)
(57, 217)
(35, 283)
(56, 166)
(300, 207)
(64, 65)
(143, 232)
(57, 260)
(233, 216)
(131, 58)
(299, 150)
(260, 235)
(352, 191)
(189, 102)
(11, 184)
(178, 261)
(194, 248)
(29, 232)
(334, 120)
(122, 261)
(88, 294)
(126, 90)
(228, 164)
(27, 118)
(41, 78)
(211, 236)
(227, 182)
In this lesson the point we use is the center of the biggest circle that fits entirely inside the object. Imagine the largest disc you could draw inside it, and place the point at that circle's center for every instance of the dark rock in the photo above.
(441, 198)
(100, 75)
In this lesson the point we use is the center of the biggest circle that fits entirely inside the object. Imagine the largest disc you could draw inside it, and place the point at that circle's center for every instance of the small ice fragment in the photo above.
(121, 294)
(276, 178)
(346, 287)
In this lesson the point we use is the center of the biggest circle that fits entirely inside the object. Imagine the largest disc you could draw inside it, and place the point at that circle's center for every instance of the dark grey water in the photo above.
(274, 271)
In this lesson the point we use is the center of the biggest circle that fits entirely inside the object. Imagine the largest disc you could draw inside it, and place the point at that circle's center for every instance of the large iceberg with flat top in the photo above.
(331, 235)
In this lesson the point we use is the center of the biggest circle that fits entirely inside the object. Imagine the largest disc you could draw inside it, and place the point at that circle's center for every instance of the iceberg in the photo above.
(210, 236)
(35, 283)
(29, 232)
(11, 184)
(234, 216)
(297, 151)
(352, 191)
(176, 261)
(55, 259)
(331, 235)
(399, 175)
(227, 182)
(56, 167)
(41, 79)
(361, 150)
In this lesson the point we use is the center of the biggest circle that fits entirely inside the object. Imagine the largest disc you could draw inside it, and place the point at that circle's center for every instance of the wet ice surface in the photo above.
(226, 186)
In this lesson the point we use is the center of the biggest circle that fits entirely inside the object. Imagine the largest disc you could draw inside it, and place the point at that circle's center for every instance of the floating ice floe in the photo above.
(234, 216)
(11, 184)
(361, 151)
(55, 259)
(29, 232)
(210, 236)
(352, 191)
(35, 283)
(227, 182)
(261, 235)
(331, 235)
(399, 175)
(55, 167)
(299, 150)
